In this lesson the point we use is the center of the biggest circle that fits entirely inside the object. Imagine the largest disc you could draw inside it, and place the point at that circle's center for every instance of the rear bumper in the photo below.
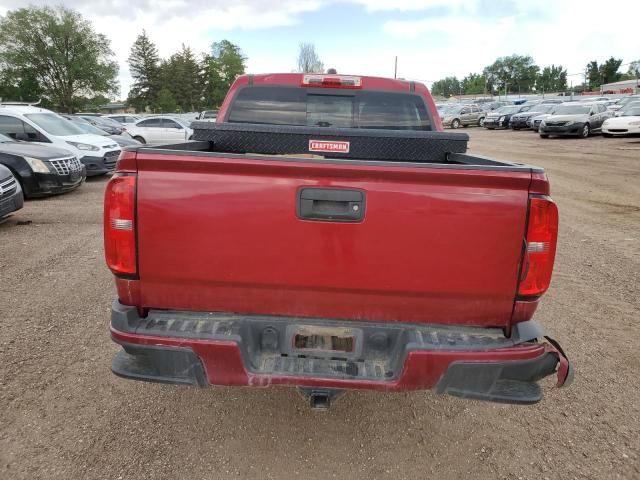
(219, 349)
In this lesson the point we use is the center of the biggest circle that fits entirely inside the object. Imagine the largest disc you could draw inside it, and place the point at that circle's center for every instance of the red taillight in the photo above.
(120, 224)
(540, 251)
(331, 81)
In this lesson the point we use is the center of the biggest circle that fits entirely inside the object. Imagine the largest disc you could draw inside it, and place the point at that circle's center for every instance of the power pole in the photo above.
(395, 70)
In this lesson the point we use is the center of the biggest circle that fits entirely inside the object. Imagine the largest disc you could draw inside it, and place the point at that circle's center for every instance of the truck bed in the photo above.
(458, 161)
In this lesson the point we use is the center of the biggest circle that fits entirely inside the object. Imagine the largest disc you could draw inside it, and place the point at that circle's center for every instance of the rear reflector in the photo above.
(540, 252)
(119, 225)
(331, 81)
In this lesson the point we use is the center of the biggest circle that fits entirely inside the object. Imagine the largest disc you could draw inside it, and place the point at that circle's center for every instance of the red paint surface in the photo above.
(436, 245)
(223, 364)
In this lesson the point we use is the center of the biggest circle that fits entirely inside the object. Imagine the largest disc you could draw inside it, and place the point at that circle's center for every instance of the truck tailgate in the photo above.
(437, 244)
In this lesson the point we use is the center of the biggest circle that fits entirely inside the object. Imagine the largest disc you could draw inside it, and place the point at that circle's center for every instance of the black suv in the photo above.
(41, 170)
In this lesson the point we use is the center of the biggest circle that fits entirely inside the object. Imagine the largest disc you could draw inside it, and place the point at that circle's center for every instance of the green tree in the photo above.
(552, 79)
(20, 85)
(180, 75)
(633, 72)
(609, 70)
(446, 87)
(187, 84)
(165, 103)
(606, 72)
(220, 69)
(308, 60)
(515, 73)
(593, 78)
(66, 55)
(474, 84)
(143, 65)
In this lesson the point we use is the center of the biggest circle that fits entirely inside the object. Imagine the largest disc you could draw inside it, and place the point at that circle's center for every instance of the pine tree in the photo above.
(144, 65)
(181, 75)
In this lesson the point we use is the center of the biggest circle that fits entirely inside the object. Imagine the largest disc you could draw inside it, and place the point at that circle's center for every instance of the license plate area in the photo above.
(318, 341)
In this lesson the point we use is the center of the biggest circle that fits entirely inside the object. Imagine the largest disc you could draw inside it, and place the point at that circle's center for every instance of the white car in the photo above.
(626, 124)
(32, 124)
(160, 129)
(125, 119)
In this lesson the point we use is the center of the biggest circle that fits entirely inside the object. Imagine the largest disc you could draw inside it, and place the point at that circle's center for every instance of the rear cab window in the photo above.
(334, 108)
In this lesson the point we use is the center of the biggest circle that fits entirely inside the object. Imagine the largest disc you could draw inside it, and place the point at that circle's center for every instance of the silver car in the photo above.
(462, 115)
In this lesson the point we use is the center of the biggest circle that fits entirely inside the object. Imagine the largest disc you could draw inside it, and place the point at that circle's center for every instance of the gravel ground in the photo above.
(65, 416)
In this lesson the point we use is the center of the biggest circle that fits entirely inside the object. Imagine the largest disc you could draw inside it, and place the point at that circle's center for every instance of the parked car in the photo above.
(462, 115)
(208, 115)
(124, 119)
(442, 108)
(624, 101)
(627, 123)
(520, 121)
(588, 99)
(160, 129)
(41, 170)
(108, 125)
(33, 124)
(392, 264)
(552, 101)
(11, 198)
(534, 122)
(491, 106)
(575, 119)
(123, 140)
(500, 118)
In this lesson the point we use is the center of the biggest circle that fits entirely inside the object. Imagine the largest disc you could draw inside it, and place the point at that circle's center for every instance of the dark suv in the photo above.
(41, 170)
(500, 118)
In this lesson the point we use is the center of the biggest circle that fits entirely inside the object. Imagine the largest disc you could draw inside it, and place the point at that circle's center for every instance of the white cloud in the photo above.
(432, 38)
(171, 23)
(568, 34)
(408, 5)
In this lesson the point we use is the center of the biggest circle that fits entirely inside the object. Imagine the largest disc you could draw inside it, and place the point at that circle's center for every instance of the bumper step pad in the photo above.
(470, 362)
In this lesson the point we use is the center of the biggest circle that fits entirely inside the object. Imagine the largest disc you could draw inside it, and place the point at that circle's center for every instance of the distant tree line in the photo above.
(55, 56)
(520, 74)
(184, 81)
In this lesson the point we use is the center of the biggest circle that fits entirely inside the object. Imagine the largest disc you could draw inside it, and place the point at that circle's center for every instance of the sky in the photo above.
(431, 38)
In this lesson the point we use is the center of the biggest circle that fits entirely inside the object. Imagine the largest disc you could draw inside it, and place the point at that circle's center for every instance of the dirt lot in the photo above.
(65, 416)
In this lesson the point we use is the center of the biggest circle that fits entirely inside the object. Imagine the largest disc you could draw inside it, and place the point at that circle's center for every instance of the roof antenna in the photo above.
(332, 71)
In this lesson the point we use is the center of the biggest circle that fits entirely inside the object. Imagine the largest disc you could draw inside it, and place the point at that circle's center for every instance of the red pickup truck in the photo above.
(325, 233)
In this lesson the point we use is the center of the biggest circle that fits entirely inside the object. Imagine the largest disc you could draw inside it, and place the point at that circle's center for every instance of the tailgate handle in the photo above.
(331, 204)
